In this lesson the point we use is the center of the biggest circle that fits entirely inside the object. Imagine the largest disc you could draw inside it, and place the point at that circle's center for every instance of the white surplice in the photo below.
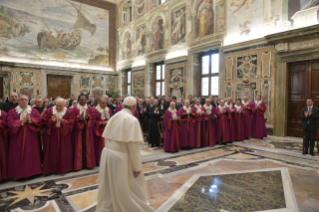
(119, 191)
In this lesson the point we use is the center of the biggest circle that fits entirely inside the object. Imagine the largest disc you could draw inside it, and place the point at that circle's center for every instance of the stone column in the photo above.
(124, 83)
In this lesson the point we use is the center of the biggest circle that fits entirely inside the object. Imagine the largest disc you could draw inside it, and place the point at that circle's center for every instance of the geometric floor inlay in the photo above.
(262, 190)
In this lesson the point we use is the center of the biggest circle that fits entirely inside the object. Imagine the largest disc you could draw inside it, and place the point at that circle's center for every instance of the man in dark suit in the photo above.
(309, 116)
(13, 103)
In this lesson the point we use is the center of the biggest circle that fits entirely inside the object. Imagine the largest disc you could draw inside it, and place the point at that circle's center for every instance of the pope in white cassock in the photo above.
(122, 186)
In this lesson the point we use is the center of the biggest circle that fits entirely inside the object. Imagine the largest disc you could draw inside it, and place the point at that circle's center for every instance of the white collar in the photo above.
(198, 108)
(187, 109)
(245, 103)
(101, 110)
(221, 107)
(238, 107)
(60, 114)
(208, 107)
(19, 109)
(258, 102)
(172, 111)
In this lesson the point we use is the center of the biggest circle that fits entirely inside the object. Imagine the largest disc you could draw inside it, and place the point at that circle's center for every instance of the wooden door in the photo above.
(303, 83)
(1, 87)
(59, 86)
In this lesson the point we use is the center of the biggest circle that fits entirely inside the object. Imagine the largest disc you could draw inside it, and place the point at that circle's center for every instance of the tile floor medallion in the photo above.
(253, 175)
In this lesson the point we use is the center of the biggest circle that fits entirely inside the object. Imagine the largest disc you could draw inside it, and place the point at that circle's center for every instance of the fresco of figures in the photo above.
(158, 34)
(126, 46)
(178, 21)
(204, 19)
(140, 44)
(66, 31)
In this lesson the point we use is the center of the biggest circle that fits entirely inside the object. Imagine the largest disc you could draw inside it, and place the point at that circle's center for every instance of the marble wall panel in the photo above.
(138, 79)
(266, 97)
(176, 80)
(254, 74)
(26, 81)
(97, 85)
(229, 65)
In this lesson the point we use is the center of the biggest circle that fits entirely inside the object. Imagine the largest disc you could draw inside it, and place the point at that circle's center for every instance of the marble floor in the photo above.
(254, 175)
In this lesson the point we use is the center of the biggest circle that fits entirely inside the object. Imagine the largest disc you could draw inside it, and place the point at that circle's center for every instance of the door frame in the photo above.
(281, 87)
(74, 80)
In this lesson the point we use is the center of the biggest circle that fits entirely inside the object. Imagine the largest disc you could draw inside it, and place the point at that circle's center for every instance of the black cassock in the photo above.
(143, 117)
(153, 133)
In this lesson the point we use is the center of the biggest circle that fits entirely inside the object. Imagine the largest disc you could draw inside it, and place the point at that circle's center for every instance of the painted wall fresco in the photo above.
(140, 43)
(178, 25)
(158, 34)
(204, 18)
(176, 80)
(254, 73)
(92, 85)
(244, 20)
(26, 81)
(138, 80)
(56, 30)
(126, 46)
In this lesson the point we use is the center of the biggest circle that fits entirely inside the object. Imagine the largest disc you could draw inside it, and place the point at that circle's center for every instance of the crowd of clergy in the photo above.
(45, 136)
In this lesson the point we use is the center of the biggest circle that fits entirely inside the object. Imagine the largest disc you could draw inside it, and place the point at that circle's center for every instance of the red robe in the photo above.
(87, 128)
(186, 129)
(3, 146)
(248, 122)
(209, 128)
(57, 144)
(120, 107)
(199, 128)
(24, 148)
(232, 124)
(171, 135)
(258, 121)
(98, 139)
(223, 130)
(240, 125)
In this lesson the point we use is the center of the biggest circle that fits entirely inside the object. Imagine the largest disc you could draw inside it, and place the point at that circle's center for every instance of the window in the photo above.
(210, 74)
(127, 12)
(158, 2)
(160, 79)
(129, 82)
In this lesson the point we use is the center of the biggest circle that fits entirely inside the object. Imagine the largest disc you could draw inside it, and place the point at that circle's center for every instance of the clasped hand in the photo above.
(308, 113)
(26, 118)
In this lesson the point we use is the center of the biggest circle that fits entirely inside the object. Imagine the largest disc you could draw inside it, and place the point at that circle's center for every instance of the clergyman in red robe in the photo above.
(186, 127)
(3, 146)
(171, 124)
(24, 123)
(232, 124)
(57, 143)
(258, 119)
(199, 124)
(209, 123)
(248, 107)
(85, 124)
(223, 133)
(105, 113)
(239, 121)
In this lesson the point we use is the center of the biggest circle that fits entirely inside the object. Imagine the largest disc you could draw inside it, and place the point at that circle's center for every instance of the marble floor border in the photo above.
(75, 178)
(74, 206)
(54, 204)
(291, 203)
(278, 151)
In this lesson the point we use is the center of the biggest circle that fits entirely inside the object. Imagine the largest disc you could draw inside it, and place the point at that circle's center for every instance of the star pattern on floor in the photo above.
(29, 194)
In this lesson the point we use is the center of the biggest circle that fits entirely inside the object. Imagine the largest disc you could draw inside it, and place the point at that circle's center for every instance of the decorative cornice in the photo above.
(245, 46)
(294, 35)
(138, 68)
(176, 60)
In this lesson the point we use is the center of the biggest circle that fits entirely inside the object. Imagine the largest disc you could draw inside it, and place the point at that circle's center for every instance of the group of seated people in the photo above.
(198, 122)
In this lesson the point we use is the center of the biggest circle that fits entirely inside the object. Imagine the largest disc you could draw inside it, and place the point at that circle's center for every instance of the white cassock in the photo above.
(119, 191)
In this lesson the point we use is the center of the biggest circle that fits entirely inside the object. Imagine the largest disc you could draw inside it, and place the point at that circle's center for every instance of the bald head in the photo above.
(13, 98)
(245, 98)
(23, 101)
(222, 102)
(103, 102)
(186, 102)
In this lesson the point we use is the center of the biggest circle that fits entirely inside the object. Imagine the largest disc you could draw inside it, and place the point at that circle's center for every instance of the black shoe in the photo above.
(305, 153)
(312, 154)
